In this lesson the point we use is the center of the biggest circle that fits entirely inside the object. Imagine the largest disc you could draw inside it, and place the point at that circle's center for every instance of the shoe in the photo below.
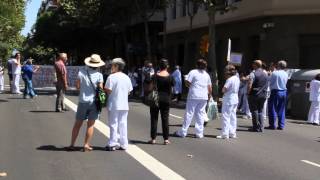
(199, 137)
(177, 134)
(58, 110)
(111, 148)
(222, 137)
(32, 97)
(121, 148)
(280, 128)
(152, 141)
(65, 109)
(234, 136)
(315, 124)
(271, 128)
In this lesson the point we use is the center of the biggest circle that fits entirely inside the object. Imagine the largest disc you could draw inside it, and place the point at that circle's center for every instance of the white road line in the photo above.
(311, 163)
(178, 117)
(153, 165)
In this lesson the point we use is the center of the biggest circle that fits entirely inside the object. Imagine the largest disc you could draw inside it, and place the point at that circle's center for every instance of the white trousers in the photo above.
(264, 110)
(196, 109)
(1, 82)
(118, 128)
(16, 83)
(229, 120)
(314, 112)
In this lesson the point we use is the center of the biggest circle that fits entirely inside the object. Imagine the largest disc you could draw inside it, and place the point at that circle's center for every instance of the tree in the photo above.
(146, 9)
(214, 7)
(12, 20)
(192, 7)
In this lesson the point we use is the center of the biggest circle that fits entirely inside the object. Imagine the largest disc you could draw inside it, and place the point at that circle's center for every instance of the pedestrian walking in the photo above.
(177, 89)
(1, 79)
(278, 97)
(118, 86)
(163, 83)
(200, 89)
(61, 81)
(27, 71)
(314, 112)
(9, 67)
(257, 90)
(16, 73)
(89, 78)
(229, 104)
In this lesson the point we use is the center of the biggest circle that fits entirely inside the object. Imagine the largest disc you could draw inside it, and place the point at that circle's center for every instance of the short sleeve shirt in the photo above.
(120, 86)
(16, 69)
(87, 91)
(61, 70)
(232, 85)
(278, 80)
(200, 80)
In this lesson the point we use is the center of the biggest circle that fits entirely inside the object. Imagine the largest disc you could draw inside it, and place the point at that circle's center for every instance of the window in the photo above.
(174, 9)
(184, 8)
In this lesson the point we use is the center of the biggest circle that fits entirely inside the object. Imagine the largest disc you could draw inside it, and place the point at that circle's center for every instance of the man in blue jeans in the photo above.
(28, 69)
(278, 98)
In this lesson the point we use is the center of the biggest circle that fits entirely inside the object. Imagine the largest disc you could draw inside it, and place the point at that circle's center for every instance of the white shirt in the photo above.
(16, 69)
(315, 90)
(230, 97)
(87, 92)
(200, 80)
(120, 85)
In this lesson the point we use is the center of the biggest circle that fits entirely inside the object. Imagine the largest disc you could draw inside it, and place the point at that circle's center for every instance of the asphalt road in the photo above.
(33, 137)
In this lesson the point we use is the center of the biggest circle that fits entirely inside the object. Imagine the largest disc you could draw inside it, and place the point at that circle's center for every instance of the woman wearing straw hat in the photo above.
(88, 80)
(118, 86)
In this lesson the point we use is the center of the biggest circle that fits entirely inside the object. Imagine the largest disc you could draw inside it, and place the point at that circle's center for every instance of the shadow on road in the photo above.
(67, 149)
(299, 122)
(43, 111)
(3, 101)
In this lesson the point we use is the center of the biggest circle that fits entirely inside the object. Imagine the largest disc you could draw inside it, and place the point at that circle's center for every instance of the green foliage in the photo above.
(12, 21)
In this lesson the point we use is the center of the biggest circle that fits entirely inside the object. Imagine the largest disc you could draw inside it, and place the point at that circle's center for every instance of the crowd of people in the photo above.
(260, 95)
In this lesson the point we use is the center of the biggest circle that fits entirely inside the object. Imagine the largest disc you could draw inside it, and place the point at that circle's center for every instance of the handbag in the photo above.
(153, 97)
(100, 98)
(212, 112)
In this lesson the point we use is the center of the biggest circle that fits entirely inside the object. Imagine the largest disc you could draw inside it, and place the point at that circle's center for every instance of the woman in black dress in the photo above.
(164, 83)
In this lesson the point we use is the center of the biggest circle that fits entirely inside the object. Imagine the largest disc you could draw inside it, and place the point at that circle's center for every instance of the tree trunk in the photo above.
(148, 43)
(187, 60)
(164, 45)
(125, 42)
(212, 59)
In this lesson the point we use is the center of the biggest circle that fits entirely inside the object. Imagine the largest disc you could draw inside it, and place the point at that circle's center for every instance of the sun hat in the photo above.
(118, 61)
(94, 61)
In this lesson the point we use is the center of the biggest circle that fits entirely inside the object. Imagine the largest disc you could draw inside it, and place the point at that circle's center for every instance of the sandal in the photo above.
(152, 141)
(166, 142)
(87, 149)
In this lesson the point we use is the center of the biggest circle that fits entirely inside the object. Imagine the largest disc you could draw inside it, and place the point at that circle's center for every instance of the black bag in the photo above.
(153, 96)
(100, 98)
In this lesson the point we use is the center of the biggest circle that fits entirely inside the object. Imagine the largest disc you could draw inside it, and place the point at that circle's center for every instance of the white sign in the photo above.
(229, 50)
(236, 58)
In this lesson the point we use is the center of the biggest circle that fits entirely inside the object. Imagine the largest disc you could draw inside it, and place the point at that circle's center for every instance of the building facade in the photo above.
(259, 29)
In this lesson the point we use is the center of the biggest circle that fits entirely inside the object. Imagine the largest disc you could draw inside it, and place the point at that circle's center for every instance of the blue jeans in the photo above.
(28, 88)
(277, 108)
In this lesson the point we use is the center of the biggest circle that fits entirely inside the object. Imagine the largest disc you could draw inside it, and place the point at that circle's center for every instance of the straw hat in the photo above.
(94, 61)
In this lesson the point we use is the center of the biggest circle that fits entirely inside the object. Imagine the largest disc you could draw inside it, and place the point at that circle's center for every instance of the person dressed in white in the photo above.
(314, 112)
(229, 104)
(177, 89)
(118, 86)
(16, 73)
(200, 89)
(1, 79)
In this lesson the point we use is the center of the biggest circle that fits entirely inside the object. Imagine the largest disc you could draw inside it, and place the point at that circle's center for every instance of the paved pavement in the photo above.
(33, 138)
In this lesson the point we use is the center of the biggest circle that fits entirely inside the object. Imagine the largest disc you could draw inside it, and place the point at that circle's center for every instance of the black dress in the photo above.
(164, 85)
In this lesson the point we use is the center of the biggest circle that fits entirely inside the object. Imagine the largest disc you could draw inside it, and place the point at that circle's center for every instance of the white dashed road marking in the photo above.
(178, 117)
(153, 165)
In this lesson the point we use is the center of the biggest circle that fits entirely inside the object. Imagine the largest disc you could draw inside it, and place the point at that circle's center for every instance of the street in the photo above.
(33, 138)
